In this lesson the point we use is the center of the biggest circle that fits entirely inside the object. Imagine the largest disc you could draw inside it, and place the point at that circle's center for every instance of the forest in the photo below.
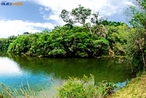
(95, 39)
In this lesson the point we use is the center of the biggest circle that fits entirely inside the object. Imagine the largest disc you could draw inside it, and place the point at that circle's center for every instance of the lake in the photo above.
(48, 73)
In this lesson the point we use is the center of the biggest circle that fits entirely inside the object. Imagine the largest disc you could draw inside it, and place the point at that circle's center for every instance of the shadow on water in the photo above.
(102, 69)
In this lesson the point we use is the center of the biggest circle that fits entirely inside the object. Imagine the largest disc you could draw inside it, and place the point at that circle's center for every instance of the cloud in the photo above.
(106, 8)
(15, 27)
(50, 10)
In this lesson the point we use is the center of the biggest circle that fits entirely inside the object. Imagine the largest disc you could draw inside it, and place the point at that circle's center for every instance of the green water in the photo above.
(46, 72)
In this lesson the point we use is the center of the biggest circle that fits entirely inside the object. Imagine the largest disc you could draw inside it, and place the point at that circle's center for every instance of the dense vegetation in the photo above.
(65, 42)
(61, 42)
(85, 88)
(4, 43)
(96, 38)
(137, 43)
(137, 51)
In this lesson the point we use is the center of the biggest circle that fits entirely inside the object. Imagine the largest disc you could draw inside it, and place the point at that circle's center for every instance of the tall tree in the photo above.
(77, 15)
(65, 15)
(81, 14)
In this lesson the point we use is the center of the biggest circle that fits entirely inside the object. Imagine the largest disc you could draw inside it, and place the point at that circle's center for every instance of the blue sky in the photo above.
(36, 15)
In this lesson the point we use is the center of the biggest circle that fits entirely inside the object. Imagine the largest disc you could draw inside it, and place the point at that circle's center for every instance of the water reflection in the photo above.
(9, 68)
(14, 76)
(102, 69)
(46, 72)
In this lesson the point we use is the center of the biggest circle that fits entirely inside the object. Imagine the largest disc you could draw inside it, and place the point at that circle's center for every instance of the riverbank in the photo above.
(136, 88)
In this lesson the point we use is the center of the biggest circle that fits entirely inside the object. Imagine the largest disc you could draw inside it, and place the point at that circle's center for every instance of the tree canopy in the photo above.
(137, 13)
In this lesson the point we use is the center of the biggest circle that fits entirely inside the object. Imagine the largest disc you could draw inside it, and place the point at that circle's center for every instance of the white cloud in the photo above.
(104, 7)
(15, 27)
(50, 9)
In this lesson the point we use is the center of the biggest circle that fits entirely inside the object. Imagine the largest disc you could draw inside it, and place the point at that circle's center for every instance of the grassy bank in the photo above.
(136, 88)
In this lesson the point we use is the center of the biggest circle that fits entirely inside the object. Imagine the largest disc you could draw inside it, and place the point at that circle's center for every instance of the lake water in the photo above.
(47, 73)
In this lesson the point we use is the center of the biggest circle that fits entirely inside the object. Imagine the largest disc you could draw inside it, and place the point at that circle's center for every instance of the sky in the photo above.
(37, 15)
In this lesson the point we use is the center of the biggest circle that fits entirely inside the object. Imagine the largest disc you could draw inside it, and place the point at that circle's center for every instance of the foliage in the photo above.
(137, 13)
(74, 42)
(80, 15)
(117, 37)
(135, 49)
(111, 23)
(4, 43)
(61, 42)
(73, 88)
(115, 32)
(137, 41)
(94, 39)
(85, 88)
(91, 39)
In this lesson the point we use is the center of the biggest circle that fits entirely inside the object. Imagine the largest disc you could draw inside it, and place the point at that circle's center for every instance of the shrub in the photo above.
(85, 88)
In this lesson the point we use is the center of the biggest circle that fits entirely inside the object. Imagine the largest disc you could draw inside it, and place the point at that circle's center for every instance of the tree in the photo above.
(137, 15)
(26, 33)
(65, 15)
(81, 14)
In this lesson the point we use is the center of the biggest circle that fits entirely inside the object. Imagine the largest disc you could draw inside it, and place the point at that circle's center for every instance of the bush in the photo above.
(85, 88)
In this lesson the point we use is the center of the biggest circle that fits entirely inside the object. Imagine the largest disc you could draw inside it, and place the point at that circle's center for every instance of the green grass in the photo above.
(136, 88)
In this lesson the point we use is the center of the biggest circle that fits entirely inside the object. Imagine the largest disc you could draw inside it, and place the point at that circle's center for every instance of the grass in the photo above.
(136, 88)
(6, 92)
(72, 88)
